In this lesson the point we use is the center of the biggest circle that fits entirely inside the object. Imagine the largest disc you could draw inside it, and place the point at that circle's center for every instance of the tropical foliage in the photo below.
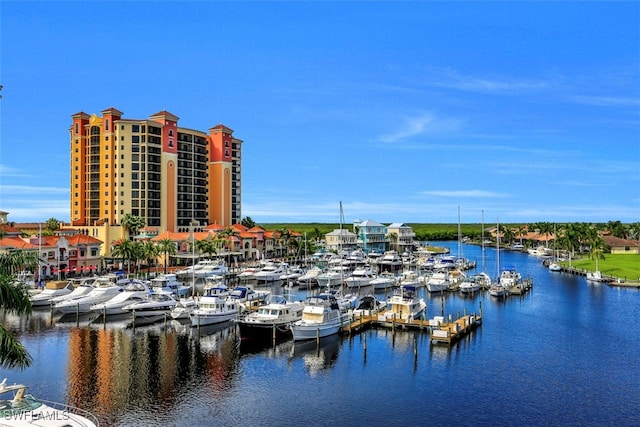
(13, 299)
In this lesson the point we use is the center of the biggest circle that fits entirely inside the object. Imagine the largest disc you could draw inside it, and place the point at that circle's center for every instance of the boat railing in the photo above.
(72, 410)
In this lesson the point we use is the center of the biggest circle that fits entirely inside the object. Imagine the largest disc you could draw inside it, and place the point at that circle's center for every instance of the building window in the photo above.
(106, 124)
(76, 128)
(135, 128)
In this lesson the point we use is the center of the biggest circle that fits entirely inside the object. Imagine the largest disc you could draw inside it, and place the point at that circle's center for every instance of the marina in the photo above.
(557, 347)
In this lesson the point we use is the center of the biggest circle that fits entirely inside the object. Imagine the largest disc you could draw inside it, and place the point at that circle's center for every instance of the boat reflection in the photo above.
(317, 356)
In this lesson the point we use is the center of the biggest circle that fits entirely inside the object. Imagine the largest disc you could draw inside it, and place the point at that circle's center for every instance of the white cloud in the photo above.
(426, 123)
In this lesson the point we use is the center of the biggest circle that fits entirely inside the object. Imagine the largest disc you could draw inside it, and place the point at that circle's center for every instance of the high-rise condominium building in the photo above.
(154, 169)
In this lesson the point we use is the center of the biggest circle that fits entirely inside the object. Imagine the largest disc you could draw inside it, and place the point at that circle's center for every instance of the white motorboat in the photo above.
(310, 278)
(321, 317)
(410, 278)
(202, 269)
(334, 276)
(272, 320)
(155, 304)
(292, 275)
(368, 305)
(475, 283)
(246, 296)
(51, 290)
(214, 309)
(134, 291)
(18, 408)
(390, 261)
(404, 304)
(103, 291)
(360, 277)
(554, 266)
(438, 281)
(183, 308)
(80, 288)
(271, 272)
(169, 283)
(385, 280)
(445, 263)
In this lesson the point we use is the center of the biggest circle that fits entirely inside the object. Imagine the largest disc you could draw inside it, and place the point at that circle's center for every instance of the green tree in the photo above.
(150, 252)
(131, 224)
(126, 250)
(52, 225)
(166, 247)
(207, 246)
(13, 299)
(393, 240)
(248, 222)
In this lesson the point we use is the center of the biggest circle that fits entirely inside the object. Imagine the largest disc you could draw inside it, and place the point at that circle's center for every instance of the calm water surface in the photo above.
(566, 353)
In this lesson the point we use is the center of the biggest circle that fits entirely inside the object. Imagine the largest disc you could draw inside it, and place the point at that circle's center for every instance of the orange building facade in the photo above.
(154, 169)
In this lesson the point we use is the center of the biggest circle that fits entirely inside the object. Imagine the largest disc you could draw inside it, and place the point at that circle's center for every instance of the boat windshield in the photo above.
(11, 407)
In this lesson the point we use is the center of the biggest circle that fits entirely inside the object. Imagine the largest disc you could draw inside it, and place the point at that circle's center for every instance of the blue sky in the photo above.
(403, 111)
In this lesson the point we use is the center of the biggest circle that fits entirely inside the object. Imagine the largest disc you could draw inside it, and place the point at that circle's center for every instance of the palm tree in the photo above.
(167, 247)
(207, 246)
(131, 224)
(125, 250)
(393, 240)
(13, 299)
(52, 225)
(248, 222)
(150, 253)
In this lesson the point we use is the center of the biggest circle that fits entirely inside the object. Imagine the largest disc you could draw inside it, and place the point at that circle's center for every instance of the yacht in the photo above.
(272, 319)
(183, 308)
(321, 317)
(246, 296)
(334, 276)
(103, 291)
(214, 309)
(385, 280)
(473, 283)
(80, 288)
(51, 290)
(134, 291)
(361, 276)
(271, 272)
(18, 408)
(169, 283)
(404, 304)
(368, 305)
(202, 269)
(292, 274)
(410, 278)
(310, 278)
(155, 304)
(438, 281)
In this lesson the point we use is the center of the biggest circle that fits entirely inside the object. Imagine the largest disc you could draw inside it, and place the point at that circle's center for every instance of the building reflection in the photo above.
(110, 370)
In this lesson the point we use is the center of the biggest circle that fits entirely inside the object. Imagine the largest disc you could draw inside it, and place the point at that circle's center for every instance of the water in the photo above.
(563, 354)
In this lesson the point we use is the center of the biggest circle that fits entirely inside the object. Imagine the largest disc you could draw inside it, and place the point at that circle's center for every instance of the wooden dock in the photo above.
(440, 330)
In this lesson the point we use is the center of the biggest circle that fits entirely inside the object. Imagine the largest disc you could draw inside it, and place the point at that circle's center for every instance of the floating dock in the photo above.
(441, 329)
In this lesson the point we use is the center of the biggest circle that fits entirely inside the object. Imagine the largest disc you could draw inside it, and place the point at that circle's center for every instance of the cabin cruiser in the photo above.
(368, 305)
(18, 408)
(439, 281)
(334, 276)
(272, 319)
(361, 276)
(80, 288)
(203, 268)
(51, 290)
(169, 283)
(247, 297)
(103, 291)
(271, 272)
(214, 309)
(155, 304)
(474, 283)
(404, 304)
(134, 291)
(310, 278)
(385, 280)
(321, 317)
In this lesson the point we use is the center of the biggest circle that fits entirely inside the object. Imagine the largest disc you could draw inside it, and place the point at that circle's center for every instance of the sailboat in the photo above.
(479, 281)
(498, 289)
(596, 276)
